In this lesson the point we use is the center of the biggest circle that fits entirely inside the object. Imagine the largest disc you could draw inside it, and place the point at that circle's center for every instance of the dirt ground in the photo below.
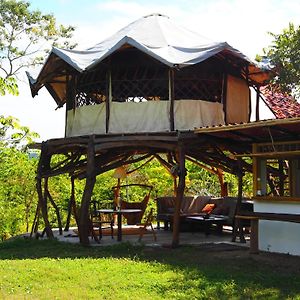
(280, 262)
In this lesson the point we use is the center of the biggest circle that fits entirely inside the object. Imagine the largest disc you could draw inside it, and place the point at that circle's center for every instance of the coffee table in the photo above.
(207, 221)
(119, 213)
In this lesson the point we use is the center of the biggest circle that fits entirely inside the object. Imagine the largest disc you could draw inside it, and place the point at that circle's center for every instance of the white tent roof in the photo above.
(155, 35)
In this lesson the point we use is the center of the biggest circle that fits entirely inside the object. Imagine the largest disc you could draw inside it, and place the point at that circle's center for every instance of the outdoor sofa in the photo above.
(197, 206)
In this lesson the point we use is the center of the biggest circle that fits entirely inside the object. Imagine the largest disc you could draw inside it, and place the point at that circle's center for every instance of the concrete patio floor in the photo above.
(164, 238)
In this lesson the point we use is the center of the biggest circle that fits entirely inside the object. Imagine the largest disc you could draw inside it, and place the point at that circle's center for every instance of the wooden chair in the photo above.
(98, 223)
(147, 223)
(134, 218)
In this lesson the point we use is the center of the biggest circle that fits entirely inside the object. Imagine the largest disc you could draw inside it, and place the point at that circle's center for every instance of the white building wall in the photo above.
(277, 236)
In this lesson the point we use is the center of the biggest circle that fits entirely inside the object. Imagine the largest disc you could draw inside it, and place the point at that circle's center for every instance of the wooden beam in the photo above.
(168, 166)
(100, 169)
(275, 154)
(141, 166)
(277, 199)
(264, 123)
(132, 138)
(294, 218)
(211, 170)
(140, 144)
(250, 138)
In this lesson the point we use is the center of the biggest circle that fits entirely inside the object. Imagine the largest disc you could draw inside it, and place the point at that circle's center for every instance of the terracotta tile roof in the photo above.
(282, 104)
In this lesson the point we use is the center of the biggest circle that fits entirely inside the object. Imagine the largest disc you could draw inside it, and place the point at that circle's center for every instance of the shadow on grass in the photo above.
(263, 276)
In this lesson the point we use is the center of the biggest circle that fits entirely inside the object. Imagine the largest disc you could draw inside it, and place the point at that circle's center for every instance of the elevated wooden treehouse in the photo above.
(142, 92)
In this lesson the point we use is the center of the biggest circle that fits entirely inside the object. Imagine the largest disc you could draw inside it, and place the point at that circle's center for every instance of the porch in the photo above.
(164, 238)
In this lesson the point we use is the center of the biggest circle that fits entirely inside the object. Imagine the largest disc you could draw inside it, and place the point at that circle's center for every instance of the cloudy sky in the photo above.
(243, 24)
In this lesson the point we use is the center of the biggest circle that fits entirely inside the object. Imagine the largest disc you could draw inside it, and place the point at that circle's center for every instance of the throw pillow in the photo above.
(208, 208)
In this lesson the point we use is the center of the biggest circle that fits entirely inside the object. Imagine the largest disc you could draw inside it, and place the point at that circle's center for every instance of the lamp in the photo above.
(120, 173)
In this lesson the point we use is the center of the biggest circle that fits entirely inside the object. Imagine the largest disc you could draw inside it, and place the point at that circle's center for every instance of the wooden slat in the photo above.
(264, 123)
(171, 98)
(270, 216)
(276, 199)
(283, 154)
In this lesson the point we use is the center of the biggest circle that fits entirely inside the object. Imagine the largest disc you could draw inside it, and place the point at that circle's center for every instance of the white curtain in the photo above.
(151, 116)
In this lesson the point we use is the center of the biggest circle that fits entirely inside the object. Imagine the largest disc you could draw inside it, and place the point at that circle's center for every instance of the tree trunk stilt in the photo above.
(238, 228)
(48, 195)
(179, 197)
(35, 223)
(43, 205)
(84, 218)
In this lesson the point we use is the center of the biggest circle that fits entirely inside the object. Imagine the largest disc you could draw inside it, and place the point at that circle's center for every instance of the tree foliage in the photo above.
(8, 85)
(13, 134)
(284, 56)
(25, 36)
(17, 191)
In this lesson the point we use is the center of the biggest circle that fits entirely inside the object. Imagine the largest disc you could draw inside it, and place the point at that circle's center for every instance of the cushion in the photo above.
(221, 210)
(170, 210)
(208, 208)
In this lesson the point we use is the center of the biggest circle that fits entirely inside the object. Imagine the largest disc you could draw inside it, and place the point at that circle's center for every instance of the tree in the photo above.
(17, 191)
(8, 85)
(25, 37)
(12, 134)
(284, 56)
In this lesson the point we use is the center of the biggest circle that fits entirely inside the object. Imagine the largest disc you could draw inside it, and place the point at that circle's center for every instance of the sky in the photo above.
(243, 24)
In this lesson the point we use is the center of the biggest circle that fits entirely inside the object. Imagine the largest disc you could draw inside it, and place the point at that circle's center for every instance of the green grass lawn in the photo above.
(31, 269)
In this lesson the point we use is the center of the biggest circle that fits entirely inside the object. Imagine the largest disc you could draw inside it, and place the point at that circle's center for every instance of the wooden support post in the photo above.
(281, 177)
(72, 206)
(44, 163)
(223, 185)
(171, 98)
(254, 236)
(179, 196)
(175, 184)
(35, 224)
(257, 104)
(48, 195)
(249, 91)
(224, 95)
(84, 220)
(108, 99)
(70, 96)
(238, 228)
(44, 208)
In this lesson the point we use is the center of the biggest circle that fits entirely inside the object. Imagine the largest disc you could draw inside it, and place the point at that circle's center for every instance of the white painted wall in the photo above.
(264, 111)
(277, 236)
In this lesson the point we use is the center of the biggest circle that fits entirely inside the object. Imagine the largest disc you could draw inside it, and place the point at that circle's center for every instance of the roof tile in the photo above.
(282, 104)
